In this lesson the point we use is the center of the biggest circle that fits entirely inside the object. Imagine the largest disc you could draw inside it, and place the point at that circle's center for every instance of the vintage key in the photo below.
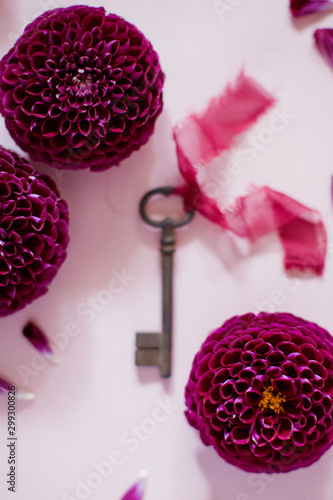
(155, 349)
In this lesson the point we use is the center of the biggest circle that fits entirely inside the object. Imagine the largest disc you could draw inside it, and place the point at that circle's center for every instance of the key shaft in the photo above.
(167, 250)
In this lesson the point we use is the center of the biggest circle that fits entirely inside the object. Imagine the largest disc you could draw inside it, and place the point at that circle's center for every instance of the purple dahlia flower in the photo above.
(260, 392)
(81, 88)
(33, 232)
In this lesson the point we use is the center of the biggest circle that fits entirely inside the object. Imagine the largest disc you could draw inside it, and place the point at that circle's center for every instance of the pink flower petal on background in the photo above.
(137, 491)
(324, 42)
(205, 136)
(39, 340)
(19, 392)
(303, 7)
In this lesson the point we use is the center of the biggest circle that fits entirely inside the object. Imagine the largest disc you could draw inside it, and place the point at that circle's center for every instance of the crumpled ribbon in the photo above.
(203, 137)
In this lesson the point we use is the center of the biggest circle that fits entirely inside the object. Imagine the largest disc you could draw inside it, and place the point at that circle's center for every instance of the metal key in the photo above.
(155, 349)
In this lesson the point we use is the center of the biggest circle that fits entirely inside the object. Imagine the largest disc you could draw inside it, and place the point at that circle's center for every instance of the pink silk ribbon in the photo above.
(205, 136)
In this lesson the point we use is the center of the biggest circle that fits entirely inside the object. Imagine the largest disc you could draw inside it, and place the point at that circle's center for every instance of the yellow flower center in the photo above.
(271, 401)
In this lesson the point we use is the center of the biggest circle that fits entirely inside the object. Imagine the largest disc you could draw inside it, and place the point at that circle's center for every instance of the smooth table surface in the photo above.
(96, 405)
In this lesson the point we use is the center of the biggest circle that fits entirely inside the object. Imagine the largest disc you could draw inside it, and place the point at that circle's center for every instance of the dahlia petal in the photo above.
(299, 438)
(39, 340)
(40, 110)
(319, 413)
(261, 451)
(54, 111)
(324, 42)
(78, 140)
(307, 387)
(277, 444)
(268, 433)
(290, 369)
(50, 128)
(58, 143)
(10, 77)
(252, 397)
(328, 404)
(303, 7)
(205, 383)
(38, 61)
(285, 429)
(65, 127)
(34, 89)
(247, 415)
(20, 393)
(94, 19)
(84, 127)
(240, 435)
(137, 491)
(241, 386)
(285, 386)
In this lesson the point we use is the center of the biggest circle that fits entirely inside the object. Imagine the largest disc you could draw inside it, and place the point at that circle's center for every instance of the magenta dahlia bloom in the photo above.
(80, 88)
(33, 232)
(260, 392)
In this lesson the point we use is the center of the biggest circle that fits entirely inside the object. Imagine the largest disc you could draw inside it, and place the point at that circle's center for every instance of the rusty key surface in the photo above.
(155, 349)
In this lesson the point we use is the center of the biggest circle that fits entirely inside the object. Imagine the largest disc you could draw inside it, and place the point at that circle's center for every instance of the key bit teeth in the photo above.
(148, 340)
(147, 357)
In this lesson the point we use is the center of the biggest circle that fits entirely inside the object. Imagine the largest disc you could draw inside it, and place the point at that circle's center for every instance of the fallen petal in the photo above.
(6, 385)
(24, 395)
(303, 7)
(39, 340)
(324, 42)
(137, 491)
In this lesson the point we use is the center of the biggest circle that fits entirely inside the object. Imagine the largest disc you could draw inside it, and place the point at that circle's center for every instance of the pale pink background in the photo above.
(85, 405)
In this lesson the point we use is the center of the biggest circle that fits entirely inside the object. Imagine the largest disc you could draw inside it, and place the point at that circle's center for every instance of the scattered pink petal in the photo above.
(4, 385)
(19, 392)
(39, 340)
(205, 136)
(303, 7)
(137, 491)
(324, 42)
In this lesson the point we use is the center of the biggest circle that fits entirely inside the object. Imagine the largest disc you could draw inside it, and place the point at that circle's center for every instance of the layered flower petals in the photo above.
(33, 232)
(260, 392)
(81, 89)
